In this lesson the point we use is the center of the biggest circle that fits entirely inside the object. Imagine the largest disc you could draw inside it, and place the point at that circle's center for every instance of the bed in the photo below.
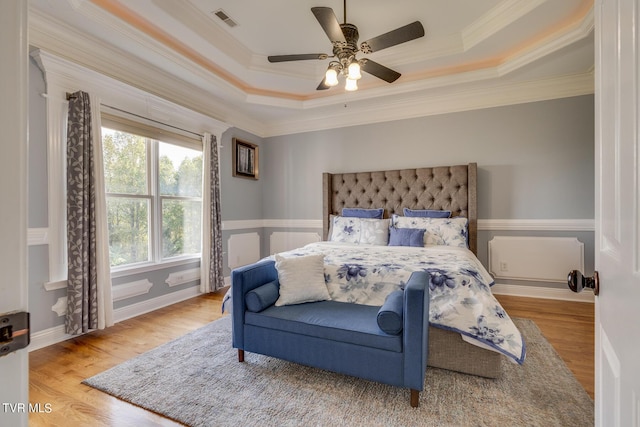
(449, 188)
(366, 273)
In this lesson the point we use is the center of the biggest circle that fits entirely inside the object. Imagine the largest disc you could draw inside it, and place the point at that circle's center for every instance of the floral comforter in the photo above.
(461, 299)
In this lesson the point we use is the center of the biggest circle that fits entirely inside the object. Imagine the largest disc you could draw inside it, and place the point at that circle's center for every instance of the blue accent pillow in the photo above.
(390, 314)
(262, 297)
(426, 213)
(406, 237)
(363, 213)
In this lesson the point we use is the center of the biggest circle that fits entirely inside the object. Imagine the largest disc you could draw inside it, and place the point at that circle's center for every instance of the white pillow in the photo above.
(439, 231)
(345, 229)
(374, 231)
(301, 279)
(365, 231)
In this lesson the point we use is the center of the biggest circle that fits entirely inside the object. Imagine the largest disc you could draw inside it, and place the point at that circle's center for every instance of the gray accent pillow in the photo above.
(426, 213)
(406, 237)
(390, 314)
(363, 213)
(262, 297)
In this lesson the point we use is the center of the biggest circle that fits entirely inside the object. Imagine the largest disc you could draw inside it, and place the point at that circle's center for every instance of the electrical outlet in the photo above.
(504, 266)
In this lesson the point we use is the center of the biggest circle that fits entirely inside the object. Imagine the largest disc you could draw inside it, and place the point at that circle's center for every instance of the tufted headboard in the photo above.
(444, 187)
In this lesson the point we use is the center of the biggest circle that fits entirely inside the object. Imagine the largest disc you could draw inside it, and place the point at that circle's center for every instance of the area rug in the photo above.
(197, 380)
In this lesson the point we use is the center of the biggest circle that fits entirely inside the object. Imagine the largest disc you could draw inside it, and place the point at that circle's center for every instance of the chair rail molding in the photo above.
(536, 224)
(483, 224)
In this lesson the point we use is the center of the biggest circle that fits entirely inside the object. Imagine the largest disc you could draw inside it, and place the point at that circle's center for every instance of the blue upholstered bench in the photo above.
(341, 337)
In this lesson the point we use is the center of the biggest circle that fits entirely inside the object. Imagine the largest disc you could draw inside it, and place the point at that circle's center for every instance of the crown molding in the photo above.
(208, 29)
(516, 62)
(125, 25)
(60, 40)
(200, 90)
(502, 15)
(550, 45)
(421, 103)
(64, 76)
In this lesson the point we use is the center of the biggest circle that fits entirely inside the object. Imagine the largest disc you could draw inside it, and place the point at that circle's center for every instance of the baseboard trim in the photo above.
(48, 337)
(133, 310)
(56, 334)
(542, 292)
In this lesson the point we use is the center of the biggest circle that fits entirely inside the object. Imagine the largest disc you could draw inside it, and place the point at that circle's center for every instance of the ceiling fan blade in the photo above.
(329, 23)
(400, 35)
(301, 57)
(380, 71)
(323, 86)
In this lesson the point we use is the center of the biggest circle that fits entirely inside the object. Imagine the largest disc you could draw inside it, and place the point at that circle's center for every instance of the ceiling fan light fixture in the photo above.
(331, 77)
(344, 39)
(354, 71)
(351, 85)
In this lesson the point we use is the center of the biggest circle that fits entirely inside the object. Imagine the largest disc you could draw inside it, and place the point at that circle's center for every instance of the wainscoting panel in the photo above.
(131, 289)
(540, 259)
(182, 277)
(243, 249)
(281, 241)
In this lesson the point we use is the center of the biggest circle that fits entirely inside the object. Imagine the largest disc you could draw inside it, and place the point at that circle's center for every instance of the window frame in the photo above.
(153, 137)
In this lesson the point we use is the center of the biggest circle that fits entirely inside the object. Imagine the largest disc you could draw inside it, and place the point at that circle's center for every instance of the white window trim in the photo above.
(155, 199)
(62, 77)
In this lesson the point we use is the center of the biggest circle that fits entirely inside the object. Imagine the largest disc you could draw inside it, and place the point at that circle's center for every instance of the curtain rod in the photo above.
(70, 95)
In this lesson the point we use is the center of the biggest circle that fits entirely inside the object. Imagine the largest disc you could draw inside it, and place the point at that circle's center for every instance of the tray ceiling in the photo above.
(474, 54)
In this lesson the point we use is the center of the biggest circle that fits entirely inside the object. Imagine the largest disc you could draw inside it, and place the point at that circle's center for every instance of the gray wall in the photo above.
(535, 160)
(241, 198)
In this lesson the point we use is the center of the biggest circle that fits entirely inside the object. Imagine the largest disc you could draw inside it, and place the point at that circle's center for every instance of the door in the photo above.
(617, 238)
(14, 367)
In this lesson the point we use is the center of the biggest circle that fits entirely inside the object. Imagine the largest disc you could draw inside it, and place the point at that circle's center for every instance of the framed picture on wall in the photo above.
(245, 159)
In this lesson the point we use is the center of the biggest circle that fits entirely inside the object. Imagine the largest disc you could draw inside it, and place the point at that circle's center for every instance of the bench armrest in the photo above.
(243, 280)
(416, 329)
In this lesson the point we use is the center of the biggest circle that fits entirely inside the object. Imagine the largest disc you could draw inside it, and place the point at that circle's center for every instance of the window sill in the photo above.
(144, 268)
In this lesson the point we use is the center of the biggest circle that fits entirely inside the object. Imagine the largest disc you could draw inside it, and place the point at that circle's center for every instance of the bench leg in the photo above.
(240, 355)
(415, 398)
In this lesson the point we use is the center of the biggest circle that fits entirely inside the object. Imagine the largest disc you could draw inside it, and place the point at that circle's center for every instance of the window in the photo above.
(154, 194)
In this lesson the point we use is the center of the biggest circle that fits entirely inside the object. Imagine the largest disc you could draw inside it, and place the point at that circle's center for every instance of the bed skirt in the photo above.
(447, 350)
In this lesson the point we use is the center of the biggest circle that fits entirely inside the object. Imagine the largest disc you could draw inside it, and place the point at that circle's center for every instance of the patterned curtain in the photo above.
(89, 303)
(211, 277)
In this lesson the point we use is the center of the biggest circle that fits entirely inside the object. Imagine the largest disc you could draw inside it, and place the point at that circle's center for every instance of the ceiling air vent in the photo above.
(225, 18)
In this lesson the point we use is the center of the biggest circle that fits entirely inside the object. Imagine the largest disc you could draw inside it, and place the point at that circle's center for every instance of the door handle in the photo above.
(577, 282)
(14, 332)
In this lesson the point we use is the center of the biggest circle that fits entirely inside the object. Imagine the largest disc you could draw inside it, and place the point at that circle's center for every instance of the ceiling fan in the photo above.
(344, 38)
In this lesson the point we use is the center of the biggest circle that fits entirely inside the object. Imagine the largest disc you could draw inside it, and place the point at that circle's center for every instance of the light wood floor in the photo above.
(56, 371)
